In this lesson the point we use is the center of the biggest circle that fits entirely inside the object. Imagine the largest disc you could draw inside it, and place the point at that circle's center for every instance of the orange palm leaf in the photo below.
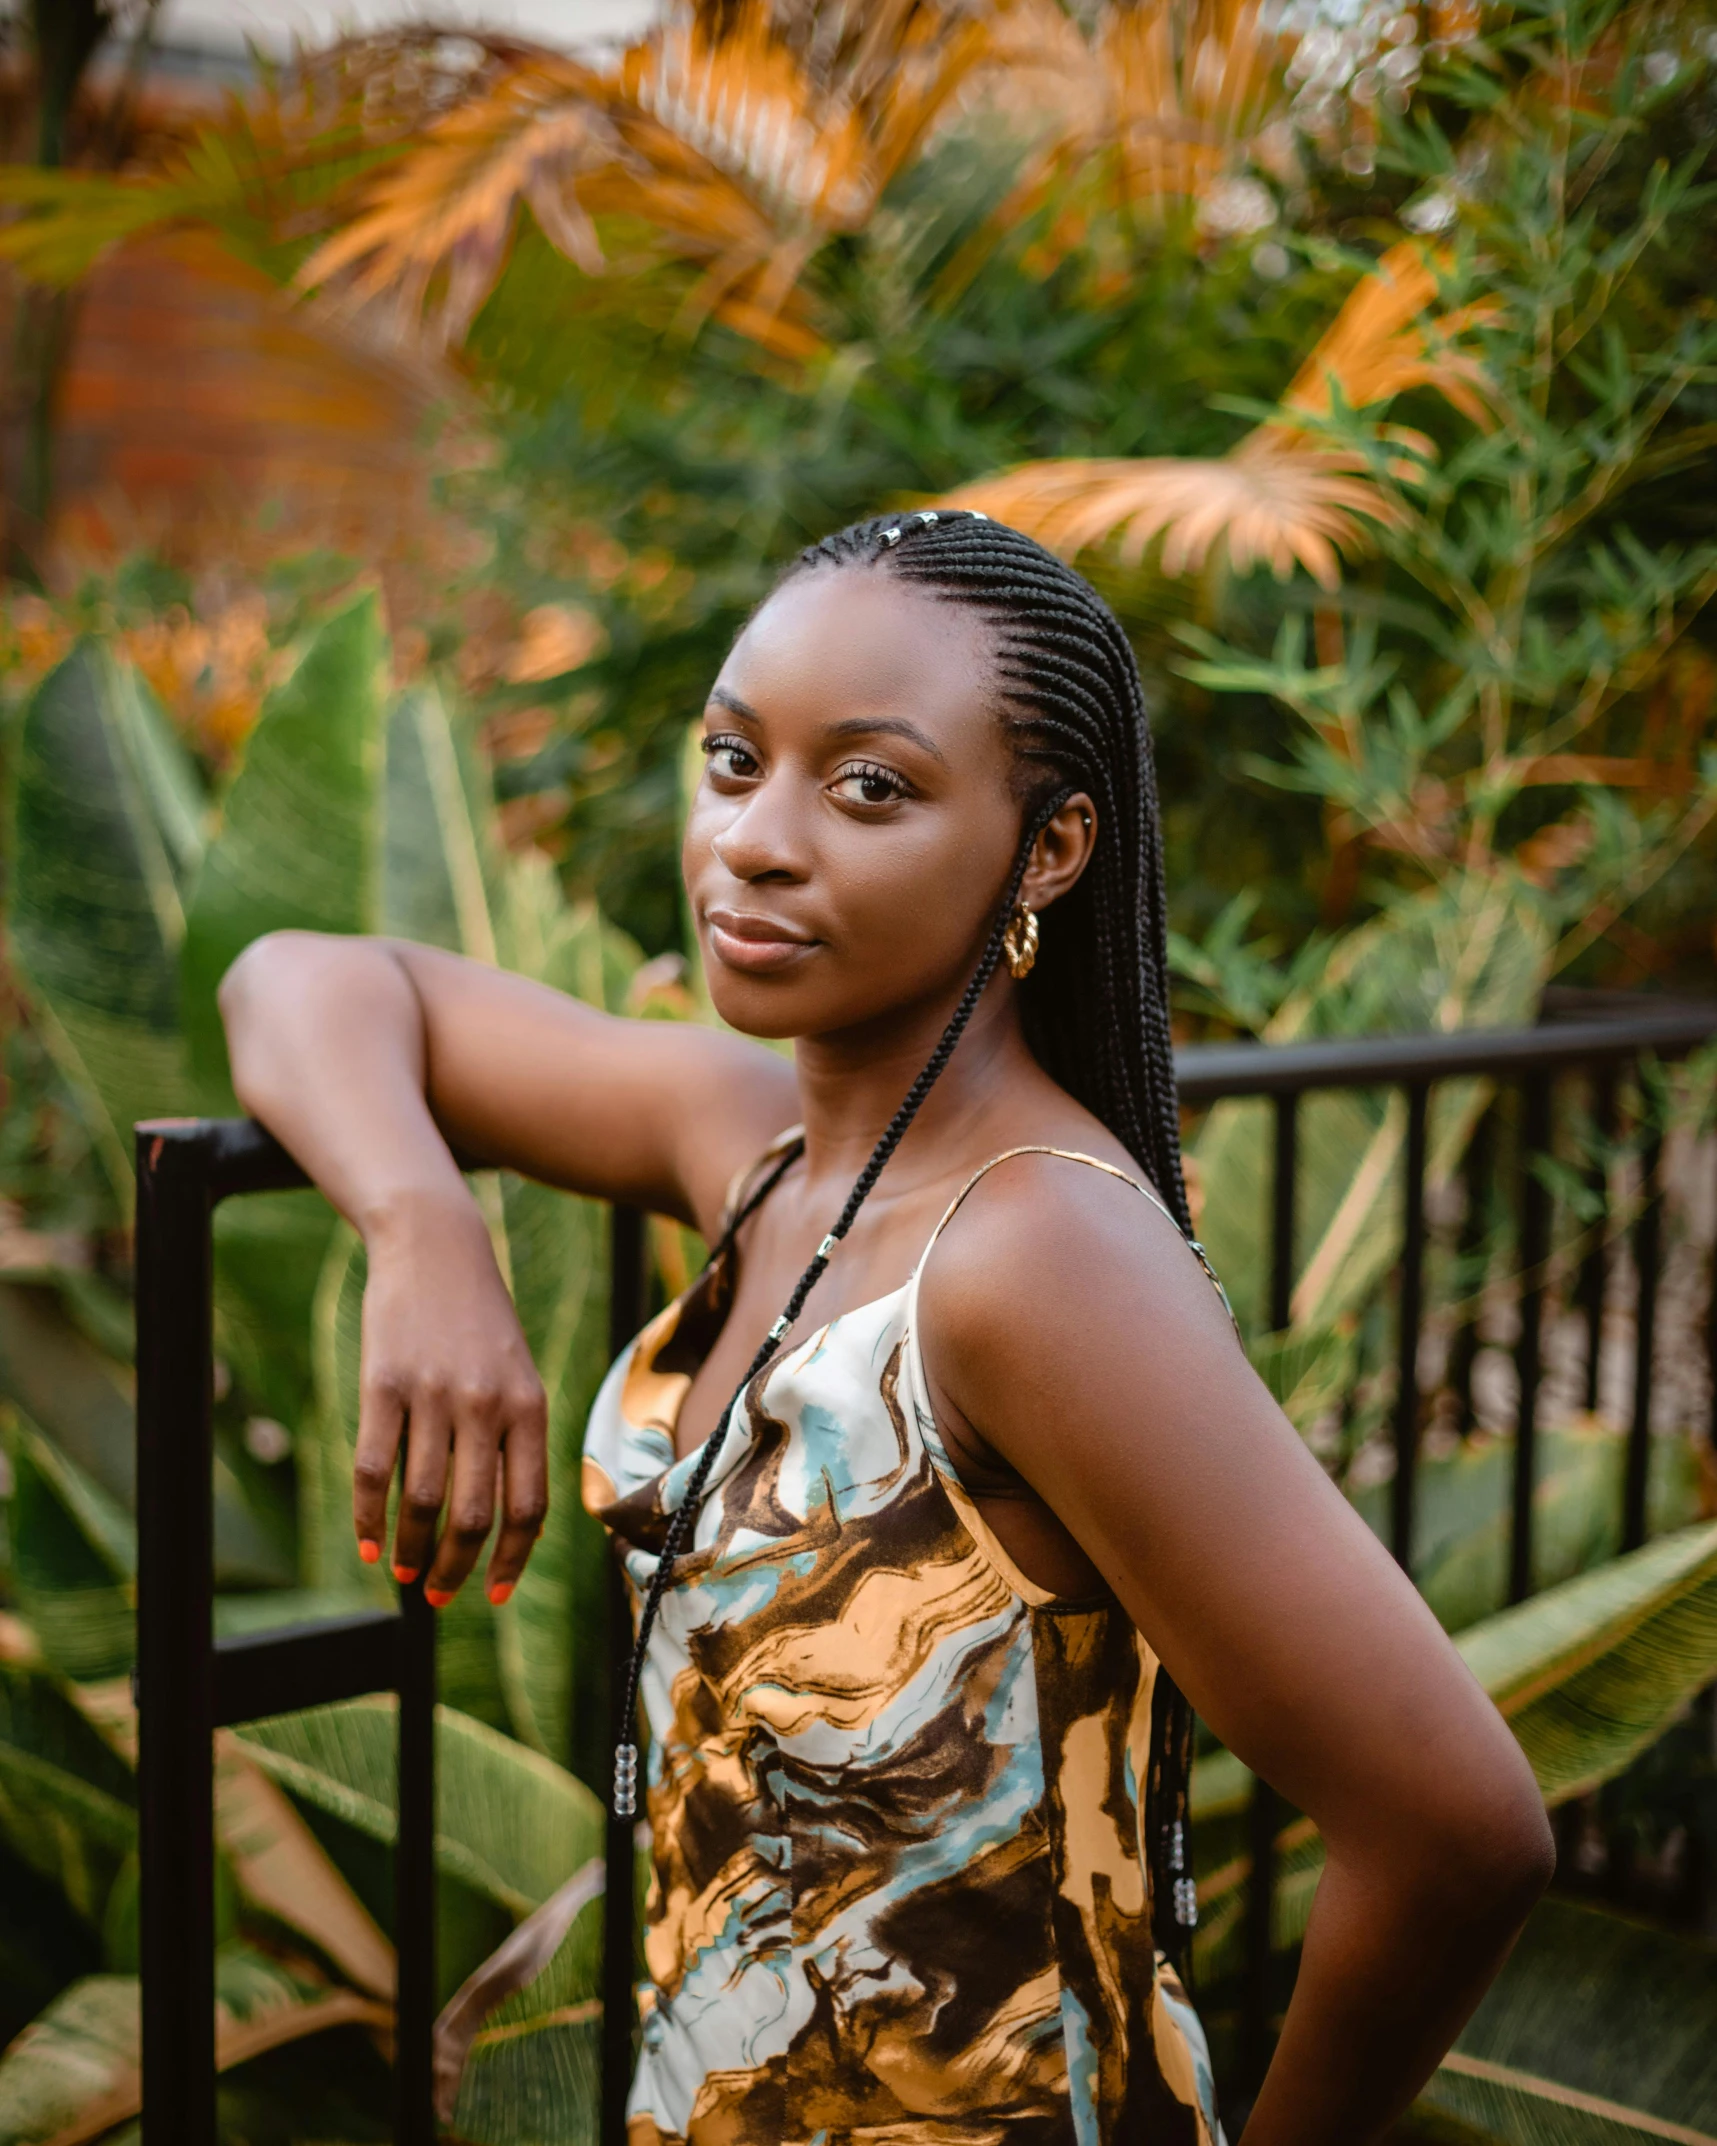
(1286, 493)
(1278, 500)
(741, 148)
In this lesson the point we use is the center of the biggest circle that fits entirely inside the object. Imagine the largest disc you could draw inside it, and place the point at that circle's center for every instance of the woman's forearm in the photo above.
(326, 1040)
(1389, 1973)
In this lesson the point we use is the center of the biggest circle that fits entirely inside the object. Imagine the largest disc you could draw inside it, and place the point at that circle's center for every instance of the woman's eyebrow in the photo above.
(720, 697)
(886, 726)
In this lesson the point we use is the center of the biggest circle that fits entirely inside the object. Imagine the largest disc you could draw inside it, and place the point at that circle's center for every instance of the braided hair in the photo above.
(1094, 1008)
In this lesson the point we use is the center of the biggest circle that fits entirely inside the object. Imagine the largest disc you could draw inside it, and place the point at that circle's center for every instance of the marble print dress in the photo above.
(895, 1790)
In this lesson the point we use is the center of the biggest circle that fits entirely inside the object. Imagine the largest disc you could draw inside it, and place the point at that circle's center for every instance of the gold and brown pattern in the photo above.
(895, 1789)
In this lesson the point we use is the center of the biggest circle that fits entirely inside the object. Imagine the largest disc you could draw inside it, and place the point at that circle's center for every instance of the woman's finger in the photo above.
(381, 1417)
(524, 1496)
(429, 1432)
(471, 1491)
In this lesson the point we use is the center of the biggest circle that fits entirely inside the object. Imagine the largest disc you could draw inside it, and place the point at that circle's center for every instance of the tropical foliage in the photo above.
(1367, 365)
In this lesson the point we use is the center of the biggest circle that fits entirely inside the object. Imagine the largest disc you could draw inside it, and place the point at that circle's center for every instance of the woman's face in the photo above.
(854, 827)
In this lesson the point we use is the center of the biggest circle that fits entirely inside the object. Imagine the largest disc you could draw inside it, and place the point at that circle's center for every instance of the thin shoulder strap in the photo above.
(750, 1186)
(1108, 1169)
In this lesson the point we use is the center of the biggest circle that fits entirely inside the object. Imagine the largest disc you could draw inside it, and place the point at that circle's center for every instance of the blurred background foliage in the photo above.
(392, 449)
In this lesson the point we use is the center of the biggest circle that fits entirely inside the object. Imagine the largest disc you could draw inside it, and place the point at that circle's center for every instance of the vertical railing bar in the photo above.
(1407, 1336)
(175, 1639)
(1595, 1267)
(1264, 1815)
(414, 1877)
(1647, 1235)
(626, 1309)
(1534, 1250)
(1282, 1206)
(1474, 1173)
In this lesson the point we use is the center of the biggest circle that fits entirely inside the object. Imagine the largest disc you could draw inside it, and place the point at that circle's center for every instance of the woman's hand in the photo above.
(446, 1365)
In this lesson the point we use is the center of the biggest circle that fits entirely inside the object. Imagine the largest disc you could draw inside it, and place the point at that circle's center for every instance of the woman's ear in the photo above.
(1061, 852)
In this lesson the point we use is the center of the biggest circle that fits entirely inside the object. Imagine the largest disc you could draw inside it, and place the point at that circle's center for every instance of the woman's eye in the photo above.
(731, 757)
(866, 785)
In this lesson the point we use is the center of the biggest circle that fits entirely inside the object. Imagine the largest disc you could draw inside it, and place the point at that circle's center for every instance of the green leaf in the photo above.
(342, 1759)
(1597, 2032)
(75, 2072)
(299, 843)
(1589, 1673)
(105, 834)
(78, 1399)
(1586, 1674)
(441, 862)
(67, 1799)
(73, 1553)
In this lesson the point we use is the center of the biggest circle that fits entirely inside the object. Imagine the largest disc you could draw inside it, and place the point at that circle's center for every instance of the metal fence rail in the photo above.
(189, 1685)
(1532, 1061)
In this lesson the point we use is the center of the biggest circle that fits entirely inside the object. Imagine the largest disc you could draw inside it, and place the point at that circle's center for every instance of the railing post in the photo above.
(414, 1877)
(175, 1620)
(1647, 1231)
(1534, 1250)
(626, 1312)
(1264, 1816)
(1474, 1174)
(1407, 1337)
(1594, 1268)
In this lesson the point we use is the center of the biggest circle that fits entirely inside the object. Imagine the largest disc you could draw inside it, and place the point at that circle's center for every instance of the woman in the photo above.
(920, 1598)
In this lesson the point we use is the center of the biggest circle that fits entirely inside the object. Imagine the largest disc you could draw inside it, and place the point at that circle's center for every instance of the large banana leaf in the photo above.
(106, 833)
(79, 1399)
(1586, 1674)
(67, 1800)
(74, 2073)
(515, 2051)
(299, 842)
(1589, 1673)
(73, 1556)
(1598, 2032)
(1470, 952)
(509, 1823)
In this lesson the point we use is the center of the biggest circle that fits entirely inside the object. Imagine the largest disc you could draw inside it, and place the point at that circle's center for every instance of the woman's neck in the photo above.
(851, 1085)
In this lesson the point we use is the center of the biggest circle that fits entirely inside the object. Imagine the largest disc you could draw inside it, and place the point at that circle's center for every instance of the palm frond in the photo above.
(1288, 494)
(741, 150)
(1384, 341)
(1279, 499)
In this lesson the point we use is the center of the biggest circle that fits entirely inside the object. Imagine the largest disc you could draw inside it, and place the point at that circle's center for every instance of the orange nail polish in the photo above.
(501, 1592)
(369, 1551)
(405, 1574)
(438, 1597)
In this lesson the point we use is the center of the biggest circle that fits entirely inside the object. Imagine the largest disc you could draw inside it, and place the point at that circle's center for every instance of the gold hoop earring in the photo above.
(1019, 940)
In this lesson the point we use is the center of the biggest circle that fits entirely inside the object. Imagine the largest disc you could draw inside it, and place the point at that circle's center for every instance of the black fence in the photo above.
(189, 1684)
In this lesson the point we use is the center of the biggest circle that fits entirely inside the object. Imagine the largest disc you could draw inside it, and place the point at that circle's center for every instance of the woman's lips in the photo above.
(759, 945)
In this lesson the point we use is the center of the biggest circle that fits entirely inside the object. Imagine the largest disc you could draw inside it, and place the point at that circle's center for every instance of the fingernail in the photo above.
(501, 1592)
(405, 1574)
(438, 1597)
(369, 1551)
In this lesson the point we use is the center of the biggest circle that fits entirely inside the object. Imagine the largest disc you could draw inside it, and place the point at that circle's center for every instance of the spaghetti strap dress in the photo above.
(895, 1789)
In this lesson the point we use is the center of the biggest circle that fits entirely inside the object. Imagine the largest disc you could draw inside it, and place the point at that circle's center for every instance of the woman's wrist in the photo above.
(429, 1208)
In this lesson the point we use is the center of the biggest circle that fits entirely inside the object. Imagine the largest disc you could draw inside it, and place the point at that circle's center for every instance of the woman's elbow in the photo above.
(1494, 1853)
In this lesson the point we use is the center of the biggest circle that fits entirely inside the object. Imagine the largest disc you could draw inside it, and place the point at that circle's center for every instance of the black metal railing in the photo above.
(1532, 1062)
(189, 1684)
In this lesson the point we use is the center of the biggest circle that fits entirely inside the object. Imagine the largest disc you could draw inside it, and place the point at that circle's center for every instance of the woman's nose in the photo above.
(766, 838)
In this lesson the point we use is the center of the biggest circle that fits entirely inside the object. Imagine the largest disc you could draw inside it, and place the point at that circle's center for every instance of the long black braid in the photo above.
(1095, 1007)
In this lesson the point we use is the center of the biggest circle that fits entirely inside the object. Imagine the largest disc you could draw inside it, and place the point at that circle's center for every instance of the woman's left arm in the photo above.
(1068, 1328)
